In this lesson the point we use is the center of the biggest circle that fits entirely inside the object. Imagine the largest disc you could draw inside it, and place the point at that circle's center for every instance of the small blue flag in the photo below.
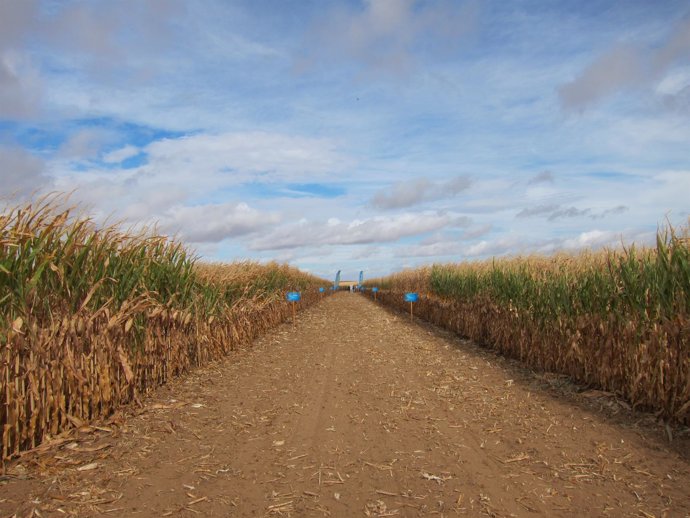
(374, 289)
(411, 297)
(321, 290)
(293, 296)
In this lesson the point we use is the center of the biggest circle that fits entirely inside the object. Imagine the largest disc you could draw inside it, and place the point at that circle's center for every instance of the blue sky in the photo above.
(357, 135)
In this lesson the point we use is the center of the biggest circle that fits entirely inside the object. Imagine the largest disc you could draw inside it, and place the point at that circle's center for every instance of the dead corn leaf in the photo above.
(517, 458)
(129, 375)
(436, 478)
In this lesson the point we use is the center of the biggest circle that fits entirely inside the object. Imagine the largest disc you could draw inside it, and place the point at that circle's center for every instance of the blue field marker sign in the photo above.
(293, 297)
(375, 290)
(411, 298)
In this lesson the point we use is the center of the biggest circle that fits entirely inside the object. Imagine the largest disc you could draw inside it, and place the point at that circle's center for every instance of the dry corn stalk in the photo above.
(91, 317)
(617, 319)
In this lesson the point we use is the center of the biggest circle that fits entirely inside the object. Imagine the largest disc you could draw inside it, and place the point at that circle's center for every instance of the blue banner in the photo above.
(336, 284)
(361, 277)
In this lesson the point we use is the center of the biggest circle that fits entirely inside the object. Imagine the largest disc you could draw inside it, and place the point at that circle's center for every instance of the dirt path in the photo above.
(356, 412)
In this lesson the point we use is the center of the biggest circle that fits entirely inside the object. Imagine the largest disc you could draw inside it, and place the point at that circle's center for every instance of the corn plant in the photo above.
(89, 316)
(614, 319)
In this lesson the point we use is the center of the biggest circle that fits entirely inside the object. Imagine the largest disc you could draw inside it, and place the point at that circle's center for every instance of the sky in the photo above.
(369, 135)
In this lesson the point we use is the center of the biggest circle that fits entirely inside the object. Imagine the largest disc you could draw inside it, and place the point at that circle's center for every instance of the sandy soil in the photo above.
(358, 412)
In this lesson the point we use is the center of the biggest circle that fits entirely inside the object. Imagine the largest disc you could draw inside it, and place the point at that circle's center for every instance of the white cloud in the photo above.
(513, 245)
(101, 36)
(678, 102)
(121, 154)
(248, 155)
(555, 212)
(361, 231)
(21, 173)
(15, 19)
(433, 250)
(675, 82)
(212, 223)
(614, 211)
(568, 212)
(20, 86)
(671, 191)
(542, 177)
(20, 82)
(179, 171)
(366, 252)
(591, 238)
(445, 244)
(94, 40)
(477, 231)
(626, 66)
(85, 143)
(619, 67)
(537, 210)
(132, 196)
(401, 194)
(413, 192)
(150, 202)
(385, 36)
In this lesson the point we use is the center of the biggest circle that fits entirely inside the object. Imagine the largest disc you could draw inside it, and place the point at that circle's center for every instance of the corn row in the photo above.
(91, 318)
(618, 320)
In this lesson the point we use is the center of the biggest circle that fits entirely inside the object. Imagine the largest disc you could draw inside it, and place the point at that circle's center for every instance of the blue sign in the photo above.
(321, 290)
(374, 289)
(411, 297)
(293, 296)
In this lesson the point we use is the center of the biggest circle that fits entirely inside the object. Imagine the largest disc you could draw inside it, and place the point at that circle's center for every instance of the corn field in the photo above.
(93, 317)
(618, 320)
